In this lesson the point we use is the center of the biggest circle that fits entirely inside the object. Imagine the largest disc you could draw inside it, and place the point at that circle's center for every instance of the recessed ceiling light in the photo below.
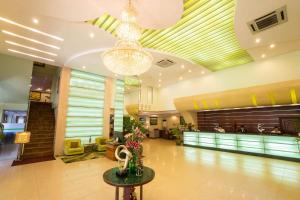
(29, 39)
(31, 55)
(257, 40)
(30, 29)
(182, 66)
(35, 20)
(83, 67)
(160, 74)
(159, 85)
(92, 35)
(159, 80)
(272, 46)
(180, 78)
(202, 72)
(190, 70)
(31, 48)
(263, 55)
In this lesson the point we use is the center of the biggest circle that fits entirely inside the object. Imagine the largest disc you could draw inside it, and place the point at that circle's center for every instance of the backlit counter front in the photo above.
(283, 147)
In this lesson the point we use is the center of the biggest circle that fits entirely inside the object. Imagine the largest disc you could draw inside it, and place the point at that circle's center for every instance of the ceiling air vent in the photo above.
(165, 63)
(267, 21)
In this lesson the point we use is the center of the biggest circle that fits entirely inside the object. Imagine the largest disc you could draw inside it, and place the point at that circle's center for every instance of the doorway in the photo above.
(13, 121)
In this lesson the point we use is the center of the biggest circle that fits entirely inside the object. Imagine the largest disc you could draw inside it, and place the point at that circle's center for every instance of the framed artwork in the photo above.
(142, 120)
(35, 96)
(153, 121)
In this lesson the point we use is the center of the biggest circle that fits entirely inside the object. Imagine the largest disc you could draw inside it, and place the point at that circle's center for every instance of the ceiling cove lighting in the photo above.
(31, 29)
(31, 48)
(204, 35)
(31, 55)
(128, 57)
(30, 39)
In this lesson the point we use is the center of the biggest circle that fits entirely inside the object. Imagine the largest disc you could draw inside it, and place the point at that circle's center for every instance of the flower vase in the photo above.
(132, 164)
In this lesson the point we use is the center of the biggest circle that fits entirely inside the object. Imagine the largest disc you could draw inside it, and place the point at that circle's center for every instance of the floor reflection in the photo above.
(278, 170)
(8, 151)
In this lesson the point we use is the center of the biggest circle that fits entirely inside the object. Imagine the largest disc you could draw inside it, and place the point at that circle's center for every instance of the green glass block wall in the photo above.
(119, 105)
(85, 106)
(280, 146)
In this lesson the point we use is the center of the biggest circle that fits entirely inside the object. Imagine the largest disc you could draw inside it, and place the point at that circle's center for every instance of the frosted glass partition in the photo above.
(85, 106)
(119, 106)
(280, 146)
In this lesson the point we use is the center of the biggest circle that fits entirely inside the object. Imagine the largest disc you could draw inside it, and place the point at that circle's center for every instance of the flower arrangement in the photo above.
(134, 145)
(134, 141)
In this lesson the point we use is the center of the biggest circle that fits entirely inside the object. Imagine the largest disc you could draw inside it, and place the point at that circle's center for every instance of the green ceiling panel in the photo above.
(204, 34)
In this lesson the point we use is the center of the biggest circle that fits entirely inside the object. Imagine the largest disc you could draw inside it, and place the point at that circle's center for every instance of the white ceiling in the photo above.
(285, 36)
(64, 18)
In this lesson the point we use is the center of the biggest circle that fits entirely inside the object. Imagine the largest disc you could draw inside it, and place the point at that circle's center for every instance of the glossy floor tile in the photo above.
(183, 173)
(8, 151)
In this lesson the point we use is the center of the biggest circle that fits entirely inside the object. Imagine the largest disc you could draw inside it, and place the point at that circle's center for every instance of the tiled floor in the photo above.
(8, 151)
(181, 173)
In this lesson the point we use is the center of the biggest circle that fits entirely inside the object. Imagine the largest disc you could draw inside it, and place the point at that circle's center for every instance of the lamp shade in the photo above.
(22, 137)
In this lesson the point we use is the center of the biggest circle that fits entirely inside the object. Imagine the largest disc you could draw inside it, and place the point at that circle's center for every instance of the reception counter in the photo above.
(282, 147)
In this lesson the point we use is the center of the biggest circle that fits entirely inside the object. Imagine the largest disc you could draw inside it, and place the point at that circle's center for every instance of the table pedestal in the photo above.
(127, 193)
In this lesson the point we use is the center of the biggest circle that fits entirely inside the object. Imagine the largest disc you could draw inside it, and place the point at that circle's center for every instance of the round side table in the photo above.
(129, 181)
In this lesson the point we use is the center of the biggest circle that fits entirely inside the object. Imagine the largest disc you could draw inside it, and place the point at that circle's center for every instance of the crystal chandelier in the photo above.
(127, 57)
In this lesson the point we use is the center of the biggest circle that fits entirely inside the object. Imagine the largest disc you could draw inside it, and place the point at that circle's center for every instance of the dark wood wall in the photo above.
(284, 117)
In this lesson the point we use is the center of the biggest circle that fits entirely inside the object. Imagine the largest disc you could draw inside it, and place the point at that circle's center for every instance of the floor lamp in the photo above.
(21, 139)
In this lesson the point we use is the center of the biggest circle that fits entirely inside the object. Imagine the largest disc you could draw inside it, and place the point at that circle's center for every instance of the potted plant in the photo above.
(298, 126)
(2, 135)
(178, 136)
(129, 125)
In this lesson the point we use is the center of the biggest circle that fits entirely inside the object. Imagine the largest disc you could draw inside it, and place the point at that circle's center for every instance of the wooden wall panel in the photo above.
(232, 119)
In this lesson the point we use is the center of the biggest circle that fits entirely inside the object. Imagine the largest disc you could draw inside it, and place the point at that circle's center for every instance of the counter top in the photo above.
(264, 134)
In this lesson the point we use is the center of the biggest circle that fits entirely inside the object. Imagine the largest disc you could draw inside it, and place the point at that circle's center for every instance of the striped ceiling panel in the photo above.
(204, 34)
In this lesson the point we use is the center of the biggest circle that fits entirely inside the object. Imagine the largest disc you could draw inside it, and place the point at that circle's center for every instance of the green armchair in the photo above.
(101, 143)
(73, 147)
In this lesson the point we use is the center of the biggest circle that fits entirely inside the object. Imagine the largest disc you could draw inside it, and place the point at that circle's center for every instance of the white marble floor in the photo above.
(182, 173)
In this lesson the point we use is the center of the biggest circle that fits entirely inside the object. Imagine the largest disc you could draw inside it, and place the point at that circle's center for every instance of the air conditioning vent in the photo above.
(164, 63)
(267, 21)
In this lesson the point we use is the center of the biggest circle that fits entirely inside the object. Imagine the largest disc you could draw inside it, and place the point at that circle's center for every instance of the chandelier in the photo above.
(127, 57)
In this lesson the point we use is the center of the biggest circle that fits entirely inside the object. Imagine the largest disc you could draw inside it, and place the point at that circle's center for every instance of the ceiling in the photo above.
(202, 35)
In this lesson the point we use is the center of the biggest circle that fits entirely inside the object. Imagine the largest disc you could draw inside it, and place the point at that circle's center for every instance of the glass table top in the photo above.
(111, 178)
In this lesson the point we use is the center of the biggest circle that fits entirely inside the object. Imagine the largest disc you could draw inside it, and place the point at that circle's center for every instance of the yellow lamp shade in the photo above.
(22, 137)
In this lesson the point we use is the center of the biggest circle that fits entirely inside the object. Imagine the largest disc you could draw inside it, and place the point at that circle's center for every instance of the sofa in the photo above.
(100, 143)
(73, 147)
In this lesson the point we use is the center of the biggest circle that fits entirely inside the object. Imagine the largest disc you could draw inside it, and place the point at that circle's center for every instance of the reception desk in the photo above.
(282, 147)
